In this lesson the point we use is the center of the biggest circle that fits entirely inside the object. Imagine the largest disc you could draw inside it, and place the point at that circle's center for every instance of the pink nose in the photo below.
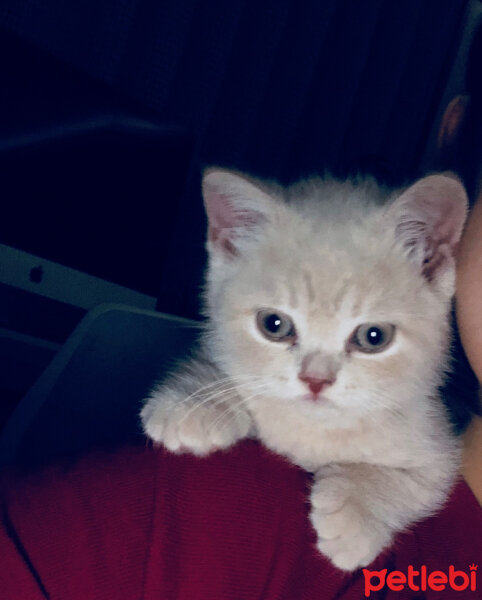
(316, 384)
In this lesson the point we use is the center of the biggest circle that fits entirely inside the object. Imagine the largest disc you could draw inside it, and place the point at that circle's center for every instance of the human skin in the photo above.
(472, 465)
(468, 295)
(469, 320)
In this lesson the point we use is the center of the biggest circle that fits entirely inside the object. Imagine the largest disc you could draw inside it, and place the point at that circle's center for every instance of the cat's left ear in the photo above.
(429, 218)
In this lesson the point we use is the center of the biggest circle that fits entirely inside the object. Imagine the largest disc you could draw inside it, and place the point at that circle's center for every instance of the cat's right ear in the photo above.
(236, 209)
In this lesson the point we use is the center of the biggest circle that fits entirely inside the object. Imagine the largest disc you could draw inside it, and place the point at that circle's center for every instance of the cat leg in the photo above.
(356, 509)
(197, 410)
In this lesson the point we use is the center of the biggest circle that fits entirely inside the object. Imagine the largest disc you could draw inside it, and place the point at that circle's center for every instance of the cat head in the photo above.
(331, 296)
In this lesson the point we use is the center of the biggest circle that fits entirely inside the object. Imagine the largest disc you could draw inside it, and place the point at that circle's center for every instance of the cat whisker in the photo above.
(208, 388)
(232, 410)
(379, 401)
(222, 395)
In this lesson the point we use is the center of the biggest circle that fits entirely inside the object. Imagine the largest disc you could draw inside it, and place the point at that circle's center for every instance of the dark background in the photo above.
(109, 110)
(280, 89)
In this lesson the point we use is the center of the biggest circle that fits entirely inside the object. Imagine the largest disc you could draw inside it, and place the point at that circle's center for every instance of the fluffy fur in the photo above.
(331, 256)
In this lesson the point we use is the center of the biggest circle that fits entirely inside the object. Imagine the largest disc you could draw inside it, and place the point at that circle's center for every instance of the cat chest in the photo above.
(310, 444)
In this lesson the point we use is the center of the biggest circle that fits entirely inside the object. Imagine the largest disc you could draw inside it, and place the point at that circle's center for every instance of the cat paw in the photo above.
(196, 428)
(348, 535)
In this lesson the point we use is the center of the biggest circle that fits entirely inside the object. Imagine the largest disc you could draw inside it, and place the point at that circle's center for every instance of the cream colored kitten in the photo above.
(328, 334)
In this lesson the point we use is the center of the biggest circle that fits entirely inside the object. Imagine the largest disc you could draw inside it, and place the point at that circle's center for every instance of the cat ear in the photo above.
(236, 209)
(429, 219)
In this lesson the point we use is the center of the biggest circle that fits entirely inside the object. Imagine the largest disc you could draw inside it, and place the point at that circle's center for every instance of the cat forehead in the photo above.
(324, 213)
(329, 196)
(328, 239)
(335, 284)
(331, 248)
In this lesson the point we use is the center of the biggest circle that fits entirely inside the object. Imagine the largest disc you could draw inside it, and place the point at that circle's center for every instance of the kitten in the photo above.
(328, 336)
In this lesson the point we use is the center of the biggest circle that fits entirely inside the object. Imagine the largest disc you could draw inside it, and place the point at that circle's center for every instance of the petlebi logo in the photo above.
(421, 580)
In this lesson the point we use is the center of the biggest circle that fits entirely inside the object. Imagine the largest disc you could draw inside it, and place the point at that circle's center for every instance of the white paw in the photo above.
(197, 428)
(348, 534)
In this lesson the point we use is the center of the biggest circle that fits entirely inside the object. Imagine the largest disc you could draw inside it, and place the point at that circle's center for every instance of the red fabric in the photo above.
(140, 523)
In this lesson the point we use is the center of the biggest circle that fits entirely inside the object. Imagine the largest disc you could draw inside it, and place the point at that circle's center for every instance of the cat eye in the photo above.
(371, 337)
(275, 325)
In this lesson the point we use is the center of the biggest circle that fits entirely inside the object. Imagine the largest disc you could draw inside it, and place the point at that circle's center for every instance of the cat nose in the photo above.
(316, 384)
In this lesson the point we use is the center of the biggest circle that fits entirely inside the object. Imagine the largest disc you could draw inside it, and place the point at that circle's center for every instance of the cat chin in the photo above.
(321, 410)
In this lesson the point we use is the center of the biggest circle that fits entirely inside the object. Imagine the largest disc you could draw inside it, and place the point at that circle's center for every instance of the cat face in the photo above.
(323, 299)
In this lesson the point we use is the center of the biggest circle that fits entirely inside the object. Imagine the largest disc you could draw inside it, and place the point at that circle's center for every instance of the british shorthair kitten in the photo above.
(327, 338)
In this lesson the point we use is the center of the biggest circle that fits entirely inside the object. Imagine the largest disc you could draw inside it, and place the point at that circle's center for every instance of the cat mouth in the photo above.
(315, 399)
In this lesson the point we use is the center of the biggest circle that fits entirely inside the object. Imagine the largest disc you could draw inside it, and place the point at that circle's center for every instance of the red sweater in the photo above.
(142, 524)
